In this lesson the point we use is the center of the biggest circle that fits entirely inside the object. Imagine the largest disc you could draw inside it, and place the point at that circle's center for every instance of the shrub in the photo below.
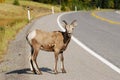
(2, 28)
(63, 8)
(16, 2)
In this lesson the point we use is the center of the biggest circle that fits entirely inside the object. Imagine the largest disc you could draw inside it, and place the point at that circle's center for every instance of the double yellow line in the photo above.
(104, 19)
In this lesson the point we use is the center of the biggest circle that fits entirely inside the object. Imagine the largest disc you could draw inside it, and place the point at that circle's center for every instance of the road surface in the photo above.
(100, 36)
(79, 64)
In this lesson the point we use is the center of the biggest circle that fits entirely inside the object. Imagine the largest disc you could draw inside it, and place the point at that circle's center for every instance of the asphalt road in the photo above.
(111, 15)
(100, 36)
(79, 64)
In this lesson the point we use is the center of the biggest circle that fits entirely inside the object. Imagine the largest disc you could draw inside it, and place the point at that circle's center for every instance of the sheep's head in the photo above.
(70, 27)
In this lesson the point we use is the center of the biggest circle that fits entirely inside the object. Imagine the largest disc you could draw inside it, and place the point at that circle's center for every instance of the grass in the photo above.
(14, 18)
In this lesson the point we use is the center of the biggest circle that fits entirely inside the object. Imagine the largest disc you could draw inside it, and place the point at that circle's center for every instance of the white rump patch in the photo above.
(31, 35)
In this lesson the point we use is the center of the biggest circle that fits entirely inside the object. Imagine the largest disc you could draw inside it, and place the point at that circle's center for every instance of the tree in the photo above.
(84, 4)
(59, 2)
(104, 3)
(116, 4)
(111, 4)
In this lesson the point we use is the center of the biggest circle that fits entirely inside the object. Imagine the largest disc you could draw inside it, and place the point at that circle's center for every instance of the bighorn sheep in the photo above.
(55, 41)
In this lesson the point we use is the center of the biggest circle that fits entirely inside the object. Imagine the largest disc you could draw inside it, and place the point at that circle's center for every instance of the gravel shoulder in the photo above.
(79, 64)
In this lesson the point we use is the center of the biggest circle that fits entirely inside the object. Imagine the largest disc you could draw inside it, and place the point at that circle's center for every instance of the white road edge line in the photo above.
(93, 53)
(118, 12)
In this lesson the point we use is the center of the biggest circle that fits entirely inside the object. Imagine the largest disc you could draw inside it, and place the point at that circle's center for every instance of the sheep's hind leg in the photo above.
(35, 46)
(31, 61)
(35, 63)
(31, 66)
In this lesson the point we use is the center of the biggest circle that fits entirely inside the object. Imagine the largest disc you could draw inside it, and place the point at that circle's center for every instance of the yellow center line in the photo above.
(104, 19)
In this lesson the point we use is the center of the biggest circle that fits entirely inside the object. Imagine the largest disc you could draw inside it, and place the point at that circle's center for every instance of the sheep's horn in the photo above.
(65, 22)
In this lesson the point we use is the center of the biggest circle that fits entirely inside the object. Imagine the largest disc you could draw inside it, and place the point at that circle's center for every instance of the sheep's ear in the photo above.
(74, 23)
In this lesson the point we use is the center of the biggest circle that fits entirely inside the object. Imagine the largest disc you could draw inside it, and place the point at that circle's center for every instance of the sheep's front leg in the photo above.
(56, 60)
(62, 63)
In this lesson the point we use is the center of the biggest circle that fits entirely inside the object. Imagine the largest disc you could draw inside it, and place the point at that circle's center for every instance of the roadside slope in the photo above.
(79, 64)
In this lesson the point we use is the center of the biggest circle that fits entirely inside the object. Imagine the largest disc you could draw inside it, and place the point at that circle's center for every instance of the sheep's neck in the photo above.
(67, 37)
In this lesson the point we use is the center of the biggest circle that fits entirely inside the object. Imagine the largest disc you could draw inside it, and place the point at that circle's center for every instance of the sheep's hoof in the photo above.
(63, 71)
(39, 72)
(55, 71)
(33, 71)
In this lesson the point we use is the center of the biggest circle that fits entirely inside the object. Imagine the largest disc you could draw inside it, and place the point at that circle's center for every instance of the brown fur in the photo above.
(49, 40)
(56, 41)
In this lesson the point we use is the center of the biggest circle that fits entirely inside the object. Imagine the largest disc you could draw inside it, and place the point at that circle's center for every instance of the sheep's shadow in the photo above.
(27, 71)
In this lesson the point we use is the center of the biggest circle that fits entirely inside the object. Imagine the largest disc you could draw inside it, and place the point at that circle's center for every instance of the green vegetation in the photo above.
(84, 4)
(10, 22)
(13, 18)
(16, 2)
(13, 13)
